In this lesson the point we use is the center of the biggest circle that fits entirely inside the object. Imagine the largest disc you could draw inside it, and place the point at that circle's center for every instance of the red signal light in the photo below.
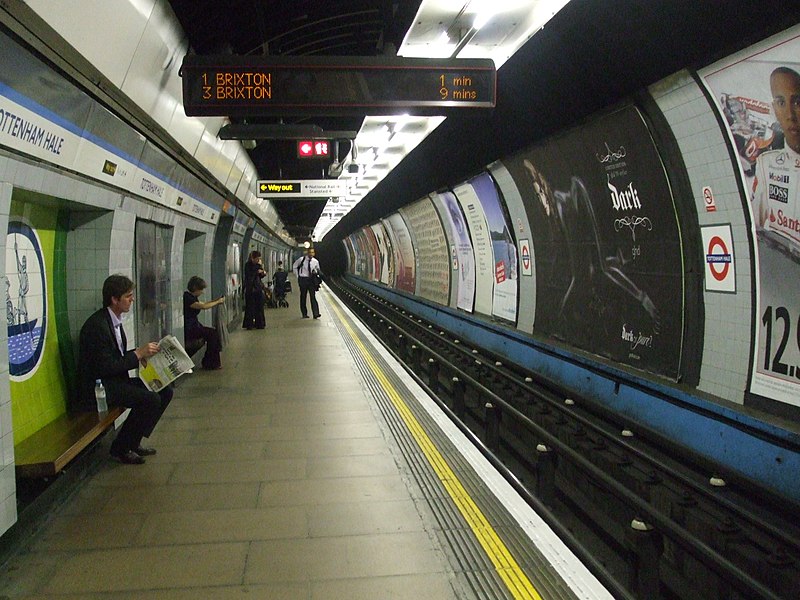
(321, 148)
(305, 148)
(313, 148)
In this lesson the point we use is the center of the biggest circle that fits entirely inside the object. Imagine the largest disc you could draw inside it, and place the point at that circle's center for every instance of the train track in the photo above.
(651, 518)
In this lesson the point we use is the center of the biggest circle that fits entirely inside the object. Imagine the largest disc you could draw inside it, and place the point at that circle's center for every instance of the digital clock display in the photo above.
(251, 86)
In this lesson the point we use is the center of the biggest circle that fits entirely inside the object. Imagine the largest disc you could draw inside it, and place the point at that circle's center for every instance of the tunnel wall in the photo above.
(633, 252)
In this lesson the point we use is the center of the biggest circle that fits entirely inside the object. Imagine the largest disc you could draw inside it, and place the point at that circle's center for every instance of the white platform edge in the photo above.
(579, 579)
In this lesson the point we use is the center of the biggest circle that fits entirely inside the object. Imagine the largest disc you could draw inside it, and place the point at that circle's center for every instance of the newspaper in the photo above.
(165, 366)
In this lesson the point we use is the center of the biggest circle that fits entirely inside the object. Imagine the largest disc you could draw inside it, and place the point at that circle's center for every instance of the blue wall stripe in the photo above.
(46, 113)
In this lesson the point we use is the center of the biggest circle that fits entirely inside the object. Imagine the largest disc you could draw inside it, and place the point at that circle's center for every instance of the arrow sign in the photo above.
(314, 188)
(313, 148)
(305, 149)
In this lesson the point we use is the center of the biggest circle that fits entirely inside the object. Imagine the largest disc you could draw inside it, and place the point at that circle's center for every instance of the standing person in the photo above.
(305, 268)
(193, 329)
(254, 292)
(104, 356)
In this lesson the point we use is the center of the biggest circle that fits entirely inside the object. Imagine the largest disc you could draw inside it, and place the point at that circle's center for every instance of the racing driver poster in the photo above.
(609, 268)
(757, 91)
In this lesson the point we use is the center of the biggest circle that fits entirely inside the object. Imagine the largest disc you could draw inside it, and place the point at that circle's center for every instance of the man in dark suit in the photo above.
(104, 355)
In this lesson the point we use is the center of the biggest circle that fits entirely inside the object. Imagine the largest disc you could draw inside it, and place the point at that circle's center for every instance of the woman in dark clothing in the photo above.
(193, 329)
(279, 285)
(254, 292)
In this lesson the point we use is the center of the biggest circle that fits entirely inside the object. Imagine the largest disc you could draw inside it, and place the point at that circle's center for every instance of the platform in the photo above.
(310, 467)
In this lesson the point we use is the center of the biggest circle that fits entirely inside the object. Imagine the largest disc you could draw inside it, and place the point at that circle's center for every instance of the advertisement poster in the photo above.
(505, 266)
(481, 246)
(606, 241)
(354, 268)
(757, 92)
(362, 256)
(351, 255)
(374, 254)
(430, 245)
(463, 259)
(384, 254)
(402, 245)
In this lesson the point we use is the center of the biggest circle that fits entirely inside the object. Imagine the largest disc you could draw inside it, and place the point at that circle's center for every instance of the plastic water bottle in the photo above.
(100, 396)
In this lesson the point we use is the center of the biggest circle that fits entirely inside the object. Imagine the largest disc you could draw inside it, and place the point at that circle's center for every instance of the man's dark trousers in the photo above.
(306, 285)
(146, 409)
(101, 358)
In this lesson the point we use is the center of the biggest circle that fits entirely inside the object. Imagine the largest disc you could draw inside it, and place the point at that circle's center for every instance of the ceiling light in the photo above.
(480, 20)
(384, 141)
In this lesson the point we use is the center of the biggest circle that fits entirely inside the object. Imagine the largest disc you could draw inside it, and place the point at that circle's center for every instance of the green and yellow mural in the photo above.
(38, 389)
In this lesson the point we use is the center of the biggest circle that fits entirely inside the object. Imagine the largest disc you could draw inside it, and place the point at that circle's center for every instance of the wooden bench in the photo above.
(49, 450)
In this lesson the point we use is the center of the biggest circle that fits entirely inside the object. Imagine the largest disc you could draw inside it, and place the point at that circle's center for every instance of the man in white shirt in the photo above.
(104, 355)
(305, 268)
(776, 189)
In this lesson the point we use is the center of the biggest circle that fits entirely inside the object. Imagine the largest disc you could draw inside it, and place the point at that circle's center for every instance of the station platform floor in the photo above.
(310, 467)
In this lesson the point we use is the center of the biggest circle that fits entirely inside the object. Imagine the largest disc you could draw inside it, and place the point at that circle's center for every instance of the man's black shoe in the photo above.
(128, 458)
(305, 316)
(316, 316)
(145, 451)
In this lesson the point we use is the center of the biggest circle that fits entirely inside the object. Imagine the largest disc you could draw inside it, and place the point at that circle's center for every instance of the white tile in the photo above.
(7, 481)
(6, 423)
(8, 513)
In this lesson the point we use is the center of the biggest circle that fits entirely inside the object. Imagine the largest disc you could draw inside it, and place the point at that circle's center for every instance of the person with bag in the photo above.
(308, 276)
(254, 292)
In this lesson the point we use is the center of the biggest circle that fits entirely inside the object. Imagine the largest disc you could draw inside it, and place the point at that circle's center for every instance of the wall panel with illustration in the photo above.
(385, 257)
(757, 93)
(462, 257)
(627, 239)
(405, 263)
(430, 248)
(607, 245)
(520, 226)
(38, 390)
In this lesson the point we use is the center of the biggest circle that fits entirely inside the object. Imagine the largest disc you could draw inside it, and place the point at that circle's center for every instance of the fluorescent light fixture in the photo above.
(384, 141)
(480, 20)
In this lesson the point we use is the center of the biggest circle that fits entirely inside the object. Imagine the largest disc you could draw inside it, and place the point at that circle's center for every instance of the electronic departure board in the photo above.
(281, 85)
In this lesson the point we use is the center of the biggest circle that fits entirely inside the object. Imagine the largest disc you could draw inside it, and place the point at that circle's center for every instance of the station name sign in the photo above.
(304, 188)
(279, 85)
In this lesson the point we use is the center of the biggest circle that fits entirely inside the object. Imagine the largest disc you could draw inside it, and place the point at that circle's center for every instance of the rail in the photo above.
(660, 544)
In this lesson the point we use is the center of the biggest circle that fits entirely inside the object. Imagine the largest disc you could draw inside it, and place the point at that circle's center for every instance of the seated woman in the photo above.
(193, 329)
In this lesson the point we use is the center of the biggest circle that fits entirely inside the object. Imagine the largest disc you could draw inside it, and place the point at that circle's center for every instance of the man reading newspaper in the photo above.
(104, 355)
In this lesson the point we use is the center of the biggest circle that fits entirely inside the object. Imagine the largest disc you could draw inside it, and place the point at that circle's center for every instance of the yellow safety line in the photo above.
(508, 569)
